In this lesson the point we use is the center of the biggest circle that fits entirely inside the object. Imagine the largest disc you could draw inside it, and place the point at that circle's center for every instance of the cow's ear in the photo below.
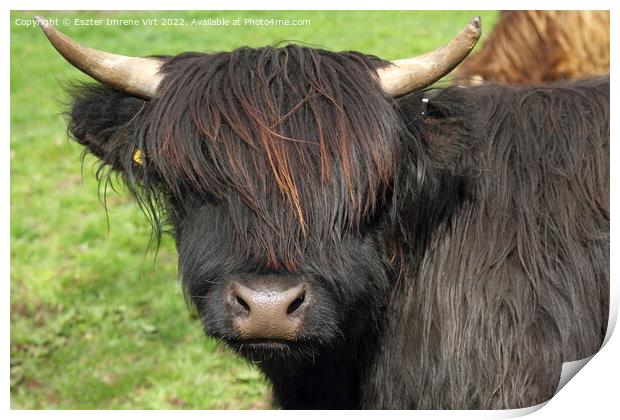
(104, 121)
(451, 130)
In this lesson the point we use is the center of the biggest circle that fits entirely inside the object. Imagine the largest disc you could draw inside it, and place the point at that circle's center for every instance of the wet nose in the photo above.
(269, 310)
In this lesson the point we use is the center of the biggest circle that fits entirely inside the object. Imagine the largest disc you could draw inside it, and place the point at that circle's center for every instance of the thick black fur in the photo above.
(459, 252)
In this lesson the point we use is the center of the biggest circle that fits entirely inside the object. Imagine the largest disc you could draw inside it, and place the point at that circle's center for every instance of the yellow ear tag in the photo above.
(137, 156)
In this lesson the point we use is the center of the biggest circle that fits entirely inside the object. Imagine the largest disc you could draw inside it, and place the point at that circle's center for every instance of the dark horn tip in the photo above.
(476, 22)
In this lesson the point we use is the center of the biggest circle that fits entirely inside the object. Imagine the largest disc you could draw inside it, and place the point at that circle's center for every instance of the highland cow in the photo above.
(536, 46)
(367, 241)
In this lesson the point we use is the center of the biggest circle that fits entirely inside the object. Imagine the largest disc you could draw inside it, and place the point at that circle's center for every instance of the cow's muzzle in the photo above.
(269, 308)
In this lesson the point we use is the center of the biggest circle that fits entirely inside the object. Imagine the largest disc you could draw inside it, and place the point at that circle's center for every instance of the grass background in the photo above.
(96, 321)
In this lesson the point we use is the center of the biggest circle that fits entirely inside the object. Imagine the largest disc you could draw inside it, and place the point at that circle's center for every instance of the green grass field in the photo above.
(97, 321)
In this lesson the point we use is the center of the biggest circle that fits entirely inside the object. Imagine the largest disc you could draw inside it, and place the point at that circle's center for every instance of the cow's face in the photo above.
(275, 168)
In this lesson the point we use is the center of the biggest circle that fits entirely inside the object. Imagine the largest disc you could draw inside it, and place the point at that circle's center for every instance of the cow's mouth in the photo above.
(268, 349)
(265, 344)
(262, 343)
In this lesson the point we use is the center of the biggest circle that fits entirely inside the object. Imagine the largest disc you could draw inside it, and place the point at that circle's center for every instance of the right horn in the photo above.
(403, 76)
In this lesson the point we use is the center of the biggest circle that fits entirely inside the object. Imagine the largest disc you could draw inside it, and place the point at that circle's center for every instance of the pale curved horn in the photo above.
(404, 76)
(134, 75)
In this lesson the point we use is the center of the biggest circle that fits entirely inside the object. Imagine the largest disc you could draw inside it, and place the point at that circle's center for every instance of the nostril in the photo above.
(242, 303)
(240, 300)
(296, 303)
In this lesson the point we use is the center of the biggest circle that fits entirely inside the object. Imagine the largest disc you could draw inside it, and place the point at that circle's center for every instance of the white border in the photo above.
(593, 393)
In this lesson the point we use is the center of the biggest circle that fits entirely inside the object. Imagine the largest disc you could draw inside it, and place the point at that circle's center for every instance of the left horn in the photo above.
(134, 75)
(404, 76)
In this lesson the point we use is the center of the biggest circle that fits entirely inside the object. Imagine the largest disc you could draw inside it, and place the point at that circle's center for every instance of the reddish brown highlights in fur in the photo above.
(537, 46)
(304, 138)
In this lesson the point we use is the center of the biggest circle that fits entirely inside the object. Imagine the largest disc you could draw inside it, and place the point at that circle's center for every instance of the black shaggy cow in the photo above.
(369, 243)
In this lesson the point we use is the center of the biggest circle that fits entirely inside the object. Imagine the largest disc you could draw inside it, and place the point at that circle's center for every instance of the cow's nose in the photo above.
(270, 311)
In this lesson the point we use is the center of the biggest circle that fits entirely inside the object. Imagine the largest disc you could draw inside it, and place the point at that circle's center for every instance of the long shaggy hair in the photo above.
(535, 46)
(297, 142)
(458, 250)
(516, 281)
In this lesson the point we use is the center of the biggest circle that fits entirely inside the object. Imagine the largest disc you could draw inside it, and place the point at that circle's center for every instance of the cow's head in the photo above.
(276, 169)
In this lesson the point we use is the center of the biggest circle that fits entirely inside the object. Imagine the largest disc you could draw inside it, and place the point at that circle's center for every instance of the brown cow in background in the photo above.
(535, 46)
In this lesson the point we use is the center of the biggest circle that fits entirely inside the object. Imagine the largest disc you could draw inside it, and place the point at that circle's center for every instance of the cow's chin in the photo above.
(270, 351)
